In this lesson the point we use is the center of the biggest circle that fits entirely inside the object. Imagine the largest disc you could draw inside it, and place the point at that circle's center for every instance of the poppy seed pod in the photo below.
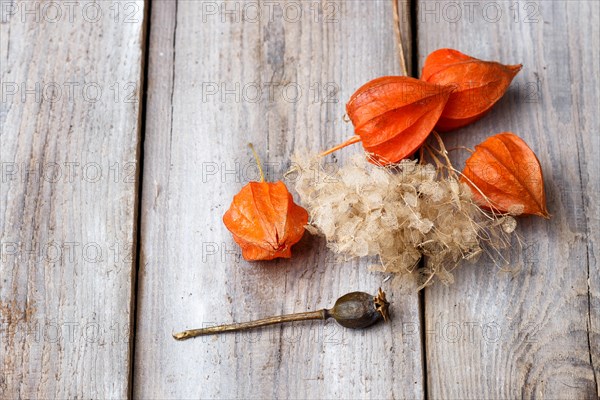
(359, 309)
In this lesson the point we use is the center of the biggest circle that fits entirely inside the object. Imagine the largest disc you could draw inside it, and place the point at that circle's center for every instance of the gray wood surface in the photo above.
(278, 74)
(217, 82)
(534, 333)
(69, 148)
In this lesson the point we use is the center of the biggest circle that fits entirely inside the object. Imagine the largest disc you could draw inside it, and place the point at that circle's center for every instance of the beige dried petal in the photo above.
(509, 224)
(410, 199)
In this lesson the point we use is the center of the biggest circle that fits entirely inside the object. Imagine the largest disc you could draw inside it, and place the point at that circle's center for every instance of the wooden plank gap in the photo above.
(140, 179)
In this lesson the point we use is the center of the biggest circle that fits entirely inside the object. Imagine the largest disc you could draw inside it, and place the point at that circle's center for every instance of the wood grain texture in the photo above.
(69, 146)
(218, 79)
(534, 333)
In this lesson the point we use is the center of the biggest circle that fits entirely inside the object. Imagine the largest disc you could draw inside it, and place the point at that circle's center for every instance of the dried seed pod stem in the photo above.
(353, 310)
(304, 316)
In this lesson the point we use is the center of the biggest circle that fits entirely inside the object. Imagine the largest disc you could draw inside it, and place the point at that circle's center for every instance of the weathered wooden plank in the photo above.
(223, 74)
(534, 333)
(71, 83)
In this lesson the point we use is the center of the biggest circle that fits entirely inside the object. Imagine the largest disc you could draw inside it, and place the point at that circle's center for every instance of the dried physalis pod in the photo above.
(354, 310)
(393, 115)
(478, 85)
(264, 220)
(505, 175)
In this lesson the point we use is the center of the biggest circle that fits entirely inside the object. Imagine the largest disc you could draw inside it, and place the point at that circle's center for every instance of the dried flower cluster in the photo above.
(399, 213)
(389, 206)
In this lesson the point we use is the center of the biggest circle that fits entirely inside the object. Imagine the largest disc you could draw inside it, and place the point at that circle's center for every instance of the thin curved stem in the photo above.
(352, 140)
(262, 174)
(461, 148)
(303, 316)
(442, 151)
(399, 37)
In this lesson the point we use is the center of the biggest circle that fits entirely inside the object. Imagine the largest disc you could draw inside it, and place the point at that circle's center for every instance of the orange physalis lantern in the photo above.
(393, 115)
(507, 172)
(479, 85)
(264, 220)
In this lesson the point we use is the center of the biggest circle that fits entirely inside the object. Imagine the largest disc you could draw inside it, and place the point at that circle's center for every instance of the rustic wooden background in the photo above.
(124, 131)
